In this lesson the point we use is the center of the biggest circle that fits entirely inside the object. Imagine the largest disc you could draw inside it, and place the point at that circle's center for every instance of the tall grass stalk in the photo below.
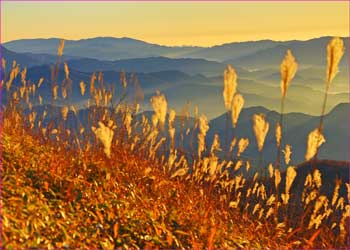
(335, 52)
(237, 105)
(227, 124)
(279, 145)
(260, 128)
(230, 88)
(288, 69)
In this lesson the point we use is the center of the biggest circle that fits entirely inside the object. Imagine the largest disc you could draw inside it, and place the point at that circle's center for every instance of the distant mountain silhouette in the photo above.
(230, 51)
(150, 64)
(310, 52)
(140, 65)
(256, 54)
(103, 48)
(20, 58)
(29, 59)
(179, 86)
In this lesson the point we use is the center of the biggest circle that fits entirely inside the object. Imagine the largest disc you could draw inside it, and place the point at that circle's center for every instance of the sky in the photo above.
(175, 23)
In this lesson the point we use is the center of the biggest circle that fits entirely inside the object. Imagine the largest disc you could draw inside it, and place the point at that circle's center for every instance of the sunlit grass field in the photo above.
(124, 180)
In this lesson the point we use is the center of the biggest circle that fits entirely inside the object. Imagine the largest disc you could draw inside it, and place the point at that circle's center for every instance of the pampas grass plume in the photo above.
(314, 140)
(288, 69)
(335, 51)
(230, 86)
(237, 105)
(260, 127)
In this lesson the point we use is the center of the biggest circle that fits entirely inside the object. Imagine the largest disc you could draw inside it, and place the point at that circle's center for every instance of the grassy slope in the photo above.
(55, 198)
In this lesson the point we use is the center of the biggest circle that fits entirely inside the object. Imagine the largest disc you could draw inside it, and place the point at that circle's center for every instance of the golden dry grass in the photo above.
(120, 182)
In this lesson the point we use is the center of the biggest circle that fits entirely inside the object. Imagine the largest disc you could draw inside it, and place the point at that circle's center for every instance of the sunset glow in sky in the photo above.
(175, 23)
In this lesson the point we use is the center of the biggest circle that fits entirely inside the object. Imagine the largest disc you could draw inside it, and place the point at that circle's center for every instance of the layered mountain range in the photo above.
(195, 74)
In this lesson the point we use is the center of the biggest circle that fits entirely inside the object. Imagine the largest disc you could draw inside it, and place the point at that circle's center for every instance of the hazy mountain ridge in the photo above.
(30, 59)
(150, 64)
(109, 48)
(230, 51)
(206, 92)
(104, 48)
(310, 52)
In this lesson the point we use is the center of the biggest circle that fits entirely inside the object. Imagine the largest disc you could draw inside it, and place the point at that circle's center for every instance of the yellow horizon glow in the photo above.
(175, 23)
